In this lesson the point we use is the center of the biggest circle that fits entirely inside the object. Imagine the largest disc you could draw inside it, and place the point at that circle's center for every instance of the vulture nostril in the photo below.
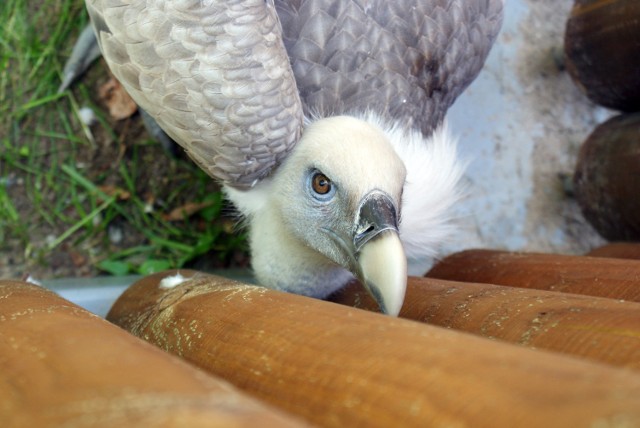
(365, 230)
(364, 235)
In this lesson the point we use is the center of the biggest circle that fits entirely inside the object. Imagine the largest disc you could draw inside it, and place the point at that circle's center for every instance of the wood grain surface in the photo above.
(617, 250)
(65, 367)
(593, 276)
(338, 366)
(600, 329)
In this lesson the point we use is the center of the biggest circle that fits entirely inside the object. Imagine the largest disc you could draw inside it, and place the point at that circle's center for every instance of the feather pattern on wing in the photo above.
(213, 73)
(407, 60)
(218, 76)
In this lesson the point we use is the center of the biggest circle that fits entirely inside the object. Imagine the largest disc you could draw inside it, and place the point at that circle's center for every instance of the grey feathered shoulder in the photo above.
(214, 74)
(409, 59)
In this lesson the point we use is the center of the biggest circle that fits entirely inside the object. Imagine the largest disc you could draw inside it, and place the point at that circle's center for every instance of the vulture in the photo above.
(323, 120)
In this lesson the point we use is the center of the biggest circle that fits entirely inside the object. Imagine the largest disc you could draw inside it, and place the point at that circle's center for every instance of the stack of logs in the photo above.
(602, 49)
(486, 339)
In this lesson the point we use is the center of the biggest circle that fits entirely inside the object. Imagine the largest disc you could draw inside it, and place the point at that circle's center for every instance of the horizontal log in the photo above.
(617, 250)
(339, 366)
(592, 276)
(600, 329)
(63, 366)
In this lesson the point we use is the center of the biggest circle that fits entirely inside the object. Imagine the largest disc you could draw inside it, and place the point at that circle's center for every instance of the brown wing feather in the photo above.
(409, 59)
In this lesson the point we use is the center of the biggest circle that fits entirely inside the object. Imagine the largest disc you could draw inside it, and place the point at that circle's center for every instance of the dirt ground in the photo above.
(163, 182)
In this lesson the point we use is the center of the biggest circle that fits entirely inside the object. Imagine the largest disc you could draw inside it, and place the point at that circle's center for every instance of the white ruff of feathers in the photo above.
(249, 202)
(432, 187)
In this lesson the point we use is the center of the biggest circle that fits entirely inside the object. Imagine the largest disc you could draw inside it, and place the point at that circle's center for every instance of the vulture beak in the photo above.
(381, 262)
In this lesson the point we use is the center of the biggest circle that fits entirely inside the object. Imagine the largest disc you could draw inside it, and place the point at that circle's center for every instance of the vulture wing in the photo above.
(405, 59)
(214, 74)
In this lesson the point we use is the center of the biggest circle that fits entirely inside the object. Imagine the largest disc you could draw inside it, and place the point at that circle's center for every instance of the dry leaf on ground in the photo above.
(118, 192)
(120, 104)
(185, 211)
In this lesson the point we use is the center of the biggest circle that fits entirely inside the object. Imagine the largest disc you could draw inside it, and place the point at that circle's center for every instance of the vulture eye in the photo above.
(321, 185)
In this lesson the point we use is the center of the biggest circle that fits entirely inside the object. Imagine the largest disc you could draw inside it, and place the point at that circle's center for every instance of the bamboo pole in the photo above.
(603, 330)
(339, 366)
(593, 276)
(63, 366)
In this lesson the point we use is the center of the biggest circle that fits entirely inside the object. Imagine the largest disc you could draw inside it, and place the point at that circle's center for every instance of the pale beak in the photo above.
(382, 264)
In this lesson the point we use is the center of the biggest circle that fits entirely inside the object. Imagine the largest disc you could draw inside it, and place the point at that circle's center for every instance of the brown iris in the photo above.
(320, 183)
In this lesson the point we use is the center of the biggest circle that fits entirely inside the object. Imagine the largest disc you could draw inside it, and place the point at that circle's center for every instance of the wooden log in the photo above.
(602, 39)
(617, 250)
(592, 276)
(603, 330)
(338, 366)
(606, 181)
(63, 366)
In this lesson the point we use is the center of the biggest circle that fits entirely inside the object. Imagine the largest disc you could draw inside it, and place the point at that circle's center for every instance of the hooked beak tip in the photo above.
(383, 270)
(381, 262)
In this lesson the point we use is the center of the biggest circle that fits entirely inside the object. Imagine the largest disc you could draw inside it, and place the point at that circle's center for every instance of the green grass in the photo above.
(57, 178)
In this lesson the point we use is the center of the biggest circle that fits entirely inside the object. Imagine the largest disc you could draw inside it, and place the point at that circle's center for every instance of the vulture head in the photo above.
(323, 119)
(334, 204)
